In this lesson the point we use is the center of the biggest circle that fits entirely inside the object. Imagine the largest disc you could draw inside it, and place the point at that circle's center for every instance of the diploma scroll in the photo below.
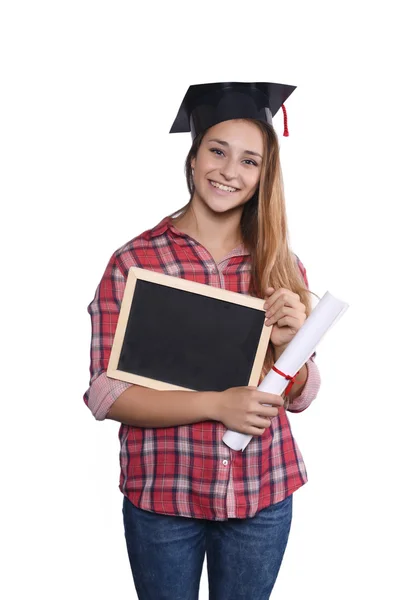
(326, 313)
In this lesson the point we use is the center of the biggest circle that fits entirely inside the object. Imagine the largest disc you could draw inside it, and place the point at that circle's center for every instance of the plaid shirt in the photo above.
(187, 470)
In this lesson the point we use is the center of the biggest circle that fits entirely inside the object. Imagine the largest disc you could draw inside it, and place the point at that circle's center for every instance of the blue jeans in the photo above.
(244, 556)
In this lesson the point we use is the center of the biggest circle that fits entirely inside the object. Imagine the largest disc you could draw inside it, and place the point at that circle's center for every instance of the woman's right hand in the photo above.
(242, 409)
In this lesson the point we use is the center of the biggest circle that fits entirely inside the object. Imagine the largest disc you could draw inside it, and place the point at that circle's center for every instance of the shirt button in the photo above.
(224, 462)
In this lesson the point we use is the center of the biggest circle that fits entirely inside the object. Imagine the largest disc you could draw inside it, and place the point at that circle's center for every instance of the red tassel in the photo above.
(286, 131)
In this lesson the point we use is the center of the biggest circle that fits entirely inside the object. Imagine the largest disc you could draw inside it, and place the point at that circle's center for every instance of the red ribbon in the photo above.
(292, 380)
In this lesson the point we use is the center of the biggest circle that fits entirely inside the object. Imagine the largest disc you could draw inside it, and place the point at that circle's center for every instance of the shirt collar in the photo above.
(166, 224)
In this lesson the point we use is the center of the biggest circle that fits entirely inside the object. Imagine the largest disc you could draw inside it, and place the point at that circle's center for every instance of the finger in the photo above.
(265, 398)
(270, 293)
(282, 297)
(286, 312)
(254, 430)
(260, 422)
(268, 412)
(292, 322)
(281, 312)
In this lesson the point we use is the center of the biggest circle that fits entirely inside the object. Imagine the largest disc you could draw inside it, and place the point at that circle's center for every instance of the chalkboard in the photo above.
(173, 333)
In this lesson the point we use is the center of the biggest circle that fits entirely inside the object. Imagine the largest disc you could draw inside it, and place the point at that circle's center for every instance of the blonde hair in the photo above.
(264, 228)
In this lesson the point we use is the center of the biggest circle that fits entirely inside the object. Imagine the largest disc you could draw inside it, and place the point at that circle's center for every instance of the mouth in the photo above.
(221, 188)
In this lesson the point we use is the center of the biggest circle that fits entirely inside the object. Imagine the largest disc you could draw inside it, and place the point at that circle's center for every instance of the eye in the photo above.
(247, 160)
(216, 150)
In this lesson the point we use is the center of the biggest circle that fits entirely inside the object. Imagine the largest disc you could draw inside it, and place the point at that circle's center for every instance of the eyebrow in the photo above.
(226, 144)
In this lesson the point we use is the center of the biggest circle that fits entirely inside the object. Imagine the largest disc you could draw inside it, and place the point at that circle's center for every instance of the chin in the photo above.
(222, 204)
(219, 209)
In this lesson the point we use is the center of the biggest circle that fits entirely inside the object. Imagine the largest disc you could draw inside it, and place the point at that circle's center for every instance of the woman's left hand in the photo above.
(286, 313)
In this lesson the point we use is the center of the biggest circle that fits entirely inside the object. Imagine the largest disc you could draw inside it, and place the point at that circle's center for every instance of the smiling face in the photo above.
(228, 165)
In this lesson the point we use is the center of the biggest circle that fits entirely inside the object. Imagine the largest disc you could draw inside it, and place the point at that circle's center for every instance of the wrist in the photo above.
(210, 402)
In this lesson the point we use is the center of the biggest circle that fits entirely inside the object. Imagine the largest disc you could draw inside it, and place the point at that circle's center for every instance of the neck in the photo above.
(212, 230)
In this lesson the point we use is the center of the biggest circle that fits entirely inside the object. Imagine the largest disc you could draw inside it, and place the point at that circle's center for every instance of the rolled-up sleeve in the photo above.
(104, 312)
(313, 382)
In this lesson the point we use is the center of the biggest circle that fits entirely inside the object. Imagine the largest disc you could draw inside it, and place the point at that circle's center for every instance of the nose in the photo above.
(229, 169)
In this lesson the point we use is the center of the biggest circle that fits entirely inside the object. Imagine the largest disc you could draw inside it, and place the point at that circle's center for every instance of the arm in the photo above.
(121, 401)
(145, 407)
(308, 380)
(104, 311)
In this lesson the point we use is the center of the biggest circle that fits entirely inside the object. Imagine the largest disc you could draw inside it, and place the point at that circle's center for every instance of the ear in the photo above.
(193, 163)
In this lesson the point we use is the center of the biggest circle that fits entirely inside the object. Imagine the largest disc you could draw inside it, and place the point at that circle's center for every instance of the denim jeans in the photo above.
(244, 556)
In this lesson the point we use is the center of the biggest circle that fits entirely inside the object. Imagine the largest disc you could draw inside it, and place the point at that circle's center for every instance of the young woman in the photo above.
(185, 492)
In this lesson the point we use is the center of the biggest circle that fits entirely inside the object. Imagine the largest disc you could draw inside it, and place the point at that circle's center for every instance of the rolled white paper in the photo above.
(327, 312)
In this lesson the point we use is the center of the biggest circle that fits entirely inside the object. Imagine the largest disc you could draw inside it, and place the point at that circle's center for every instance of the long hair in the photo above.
(264, 228)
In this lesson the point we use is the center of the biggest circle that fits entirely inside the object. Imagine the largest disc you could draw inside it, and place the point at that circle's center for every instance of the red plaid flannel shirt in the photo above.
(187, 470)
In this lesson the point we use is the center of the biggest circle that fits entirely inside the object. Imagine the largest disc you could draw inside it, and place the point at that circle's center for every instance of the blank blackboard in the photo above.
(173, 333)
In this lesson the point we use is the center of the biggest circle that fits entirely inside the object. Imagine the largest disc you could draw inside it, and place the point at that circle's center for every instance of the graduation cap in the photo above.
(207, 104)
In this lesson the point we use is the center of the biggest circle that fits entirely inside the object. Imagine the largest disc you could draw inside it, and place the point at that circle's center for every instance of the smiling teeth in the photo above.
(223, 187)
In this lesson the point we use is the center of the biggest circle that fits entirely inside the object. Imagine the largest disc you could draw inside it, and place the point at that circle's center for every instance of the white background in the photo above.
(89, 91)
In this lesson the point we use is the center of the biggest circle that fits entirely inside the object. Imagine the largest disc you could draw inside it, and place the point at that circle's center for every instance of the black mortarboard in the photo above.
(207, 104)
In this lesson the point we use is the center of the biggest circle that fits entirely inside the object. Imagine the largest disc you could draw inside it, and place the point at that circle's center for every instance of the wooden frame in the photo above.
(178, 283)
